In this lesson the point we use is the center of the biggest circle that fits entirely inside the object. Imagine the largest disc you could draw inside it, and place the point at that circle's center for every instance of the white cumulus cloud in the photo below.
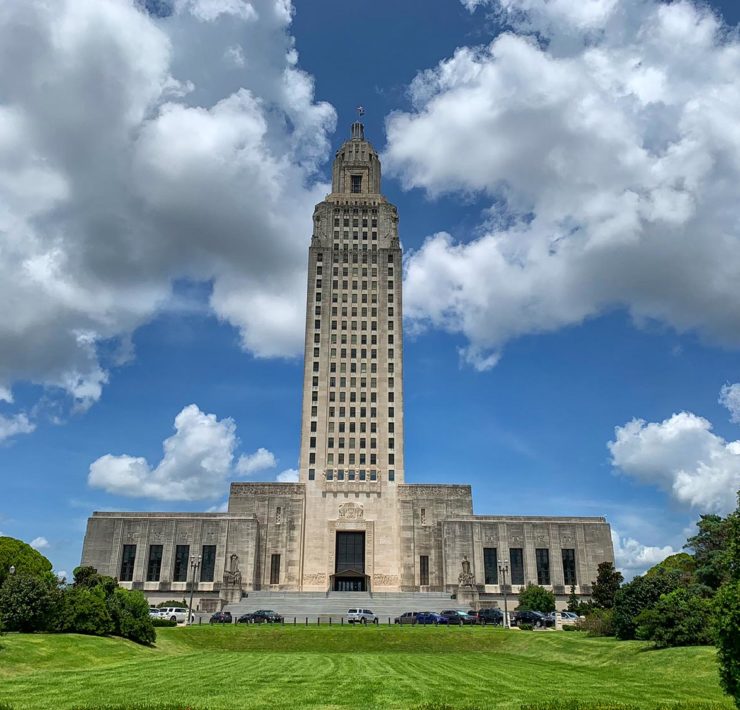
(632, 557)
(258, 461)
(608, 150)
(682, 456)
(290, 475)
(197, 463)
(141, 163)
(39, 543)
(729, 397)
(14, 425)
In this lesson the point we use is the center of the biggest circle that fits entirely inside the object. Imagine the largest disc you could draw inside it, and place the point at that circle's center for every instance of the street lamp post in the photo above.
(503, 569)
(194, 565)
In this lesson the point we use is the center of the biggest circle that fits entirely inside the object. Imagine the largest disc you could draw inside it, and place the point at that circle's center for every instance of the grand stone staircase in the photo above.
(320, 605)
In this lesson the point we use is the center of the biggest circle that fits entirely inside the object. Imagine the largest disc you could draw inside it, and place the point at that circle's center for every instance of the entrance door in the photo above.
(350, 562)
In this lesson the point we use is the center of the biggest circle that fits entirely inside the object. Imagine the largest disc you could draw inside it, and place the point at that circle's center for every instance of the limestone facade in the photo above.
(350, 523)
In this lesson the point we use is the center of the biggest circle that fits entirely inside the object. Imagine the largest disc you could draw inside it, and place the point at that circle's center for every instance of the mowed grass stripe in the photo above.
(435, 666)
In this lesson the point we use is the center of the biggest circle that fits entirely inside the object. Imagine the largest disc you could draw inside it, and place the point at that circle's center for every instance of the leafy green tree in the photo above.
(727, 612)
(681, 562)
(711, 547)
(28, 603)
(682, 617)
(641, 593)
(598, 622)
(84, 611)
(727, 633)
(26, 560)
(608, 581)
(130, 613)
(172, 602)
(536, 598)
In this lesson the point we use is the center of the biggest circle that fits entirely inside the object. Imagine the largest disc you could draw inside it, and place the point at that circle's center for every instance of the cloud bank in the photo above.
(144, 162)
(605, 136)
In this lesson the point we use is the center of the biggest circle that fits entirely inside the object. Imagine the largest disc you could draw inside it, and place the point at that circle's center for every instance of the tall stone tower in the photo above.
(352, 423)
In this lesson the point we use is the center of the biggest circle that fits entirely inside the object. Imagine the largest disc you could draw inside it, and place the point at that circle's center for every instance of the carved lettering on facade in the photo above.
(385, 580)
(421, 490)
(317, 578)
(266, 489)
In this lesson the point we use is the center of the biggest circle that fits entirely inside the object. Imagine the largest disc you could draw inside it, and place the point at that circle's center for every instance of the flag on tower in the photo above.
(360, 111)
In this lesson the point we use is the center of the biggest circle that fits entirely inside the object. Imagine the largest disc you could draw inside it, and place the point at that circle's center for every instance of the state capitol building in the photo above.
(351, 523)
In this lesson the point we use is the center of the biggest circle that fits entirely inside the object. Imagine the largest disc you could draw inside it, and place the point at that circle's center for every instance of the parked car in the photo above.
(488, 616)
(154, 612)
(569, 617)
(430, 617)
(175, 613)
(408, 617)
(455, 616)
(244, 619)
(221, 617)
(361, 616)
(535, 618)
(266, 616)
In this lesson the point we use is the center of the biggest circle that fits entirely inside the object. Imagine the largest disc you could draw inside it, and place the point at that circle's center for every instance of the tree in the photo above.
(608, 581)
(640, 594)
(727, 633)
(681, 562)
(130, 613)
(172, 602)
(536, 598)
(84, 611)
(28, 603)
(711, 550)
(680, 618)
(26, 560)
(727, 611)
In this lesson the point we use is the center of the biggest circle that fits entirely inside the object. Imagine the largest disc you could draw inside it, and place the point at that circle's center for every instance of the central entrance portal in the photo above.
(350, 562)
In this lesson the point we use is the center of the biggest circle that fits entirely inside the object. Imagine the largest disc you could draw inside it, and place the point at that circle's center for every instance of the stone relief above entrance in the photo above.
(351, 511)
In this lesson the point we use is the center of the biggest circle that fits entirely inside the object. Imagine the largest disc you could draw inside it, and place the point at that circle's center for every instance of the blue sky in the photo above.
(571, 341)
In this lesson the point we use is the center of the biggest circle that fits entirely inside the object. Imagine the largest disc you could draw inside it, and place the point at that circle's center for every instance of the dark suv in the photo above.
(535, 618)
(488, 616)
(221, 617)
(454, 616)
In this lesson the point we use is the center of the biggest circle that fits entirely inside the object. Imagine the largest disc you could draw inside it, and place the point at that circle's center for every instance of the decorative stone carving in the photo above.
(351, 511)
(317, 578)
(466, 577)
(421, 490)
(267, 489)
(231, 589)
(385, 580)
(233, 575)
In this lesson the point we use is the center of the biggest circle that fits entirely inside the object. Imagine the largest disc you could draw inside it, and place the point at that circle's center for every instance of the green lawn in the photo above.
(286, 667)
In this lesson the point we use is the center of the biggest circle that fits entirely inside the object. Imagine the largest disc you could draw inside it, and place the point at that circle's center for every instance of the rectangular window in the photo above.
(275, 569)
(391, 476)
(490, 565)
(569, 567)
(516, 558)
(311, 474)
(542, 556)
(424, 569)
(154, 567)
(127, 563)
(182, 553)
(356, 183)
(208, 564)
